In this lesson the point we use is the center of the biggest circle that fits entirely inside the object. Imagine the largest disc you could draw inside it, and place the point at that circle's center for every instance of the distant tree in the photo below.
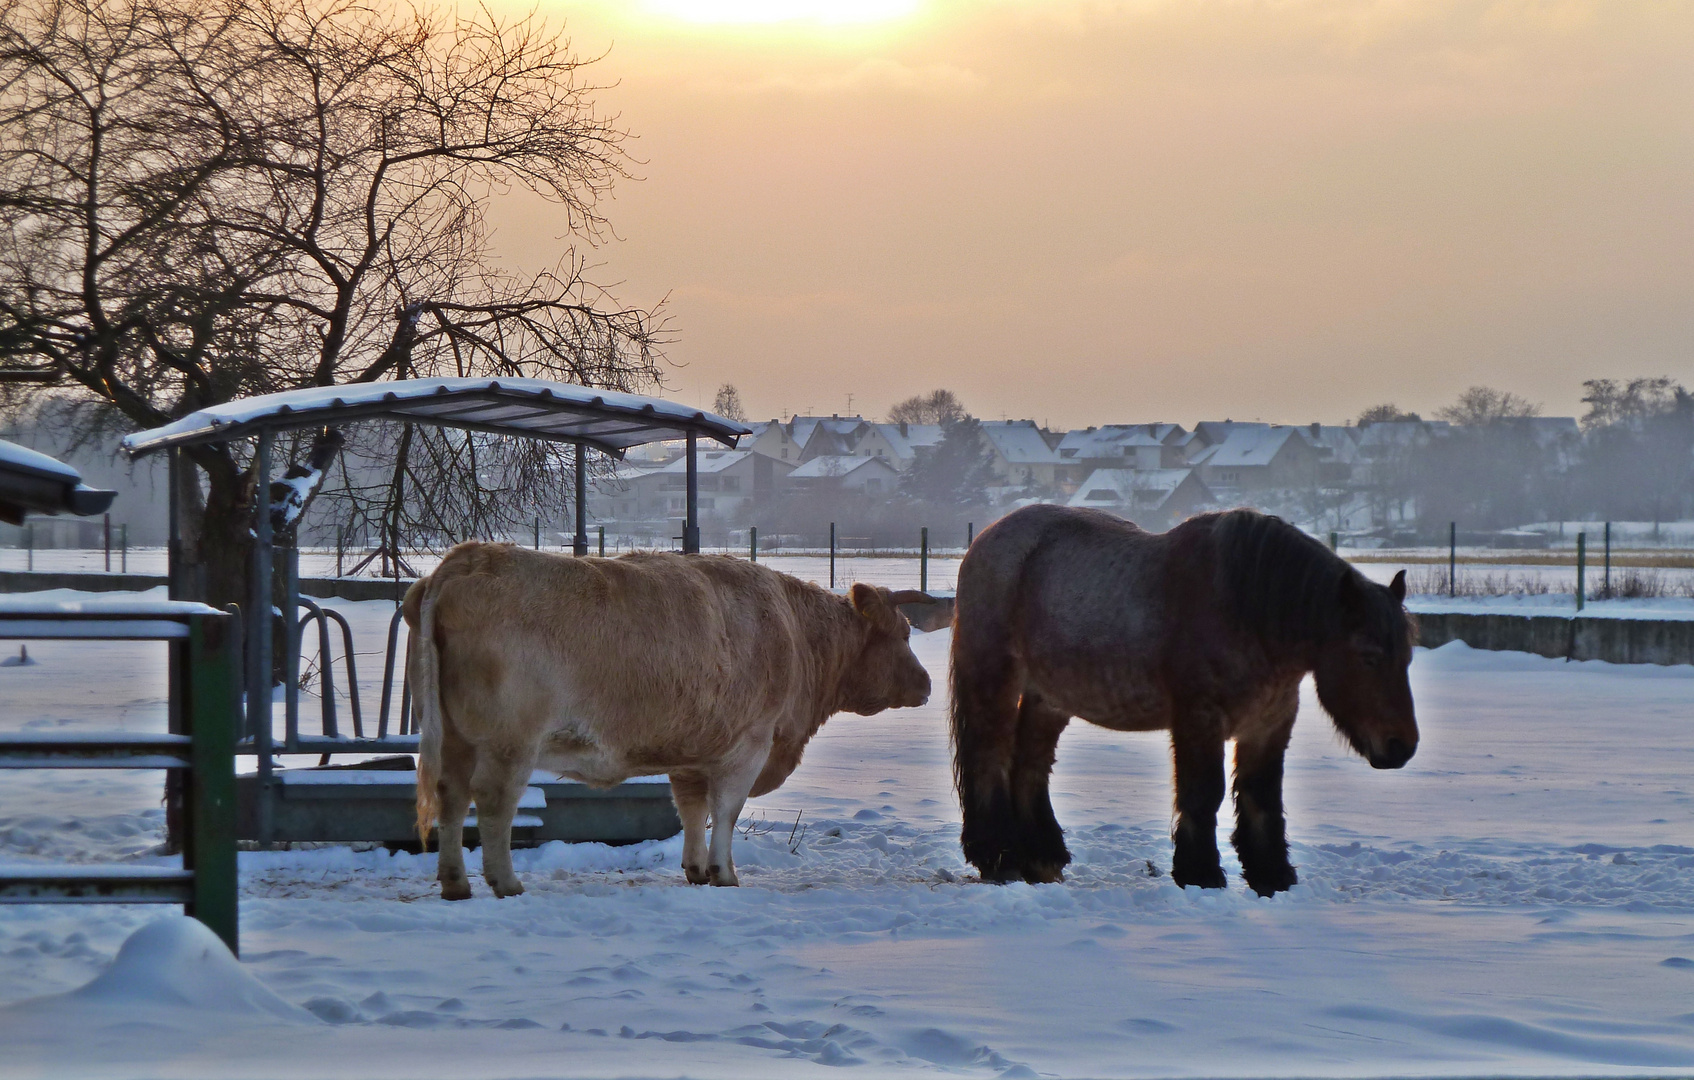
(1611, 402)
(1386, 413)
(203, 200)
(955, 472)
(935, 407)
(1482, 405)
(728, 404)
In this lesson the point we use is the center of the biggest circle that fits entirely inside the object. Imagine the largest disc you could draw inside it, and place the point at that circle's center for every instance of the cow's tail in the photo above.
(424, 663)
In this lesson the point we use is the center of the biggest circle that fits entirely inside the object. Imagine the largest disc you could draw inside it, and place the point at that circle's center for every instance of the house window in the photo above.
(732, 483)
(785, 453)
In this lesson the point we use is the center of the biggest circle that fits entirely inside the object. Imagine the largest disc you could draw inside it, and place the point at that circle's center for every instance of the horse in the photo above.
(1204, 631)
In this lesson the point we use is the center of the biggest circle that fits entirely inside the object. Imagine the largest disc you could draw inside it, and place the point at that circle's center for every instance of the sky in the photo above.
(1085, 211)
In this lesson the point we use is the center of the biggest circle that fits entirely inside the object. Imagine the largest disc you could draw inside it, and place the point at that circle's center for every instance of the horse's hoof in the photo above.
(695, 875)
(456, 890)
(511, 888)
(719, 877)
(1044, 873)
(1271, 882)
(1212, 878)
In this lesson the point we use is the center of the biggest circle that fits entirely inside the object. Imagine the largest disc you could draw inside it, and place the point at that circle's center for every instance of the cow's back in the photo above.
(641, 660)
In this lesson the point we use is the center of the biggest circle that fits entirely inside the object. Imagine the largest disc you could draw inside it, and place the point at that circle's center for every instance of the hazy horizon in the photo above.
(1087, 213)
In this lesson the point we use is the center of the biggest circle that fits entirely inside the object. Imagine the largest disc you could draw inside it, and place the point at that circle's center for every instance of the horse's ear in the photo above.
(1397, 587)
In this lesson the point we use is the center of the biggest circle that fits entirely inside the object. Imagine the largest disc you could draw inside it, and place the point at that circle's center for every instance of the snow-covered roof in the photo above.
(835, 466)
(1110, 441)
(1248, 445)
(1019, 442)
(1148, 488)
(711, 461)
(33, 483)
(533, 408)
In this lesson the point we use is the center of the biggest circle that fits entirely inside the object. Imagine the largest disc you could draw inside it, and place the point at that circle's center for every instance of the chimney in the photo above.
(902, 429)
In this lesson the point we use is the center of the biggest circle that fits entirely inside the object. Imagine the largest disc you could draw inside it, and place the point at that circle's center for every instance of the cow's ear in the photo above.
(865, 600)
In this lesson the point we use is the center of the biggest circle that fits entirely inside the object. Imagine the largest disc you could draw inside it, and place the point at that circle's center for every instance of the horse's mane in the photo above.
(1278, 580)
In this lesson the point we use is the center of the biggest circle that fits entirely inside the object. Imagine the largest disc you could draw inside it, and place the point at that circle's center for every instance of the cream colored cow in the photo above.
(714, 670)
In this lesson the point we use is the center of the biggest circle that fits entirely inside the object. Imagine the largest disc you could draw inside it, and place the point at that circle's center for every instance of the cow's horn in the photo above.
(912, 596)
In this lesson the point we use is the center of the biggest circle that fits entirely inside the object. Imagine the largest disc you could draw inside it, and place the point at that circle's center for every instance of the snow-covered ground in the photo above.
(1518, 900)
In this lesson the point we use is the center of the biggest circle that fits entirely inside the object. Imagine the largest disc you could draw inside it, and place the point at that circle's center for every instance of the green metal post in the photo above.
(29, 545)
(970, 533)
(602, 541)
(1607, 590)
(1452, 558)
(212, 716)
(923, 559)
(832, 554)
(538, 534)
(123, 548)
(753, 545)
(1333, 540)
(1581, 565)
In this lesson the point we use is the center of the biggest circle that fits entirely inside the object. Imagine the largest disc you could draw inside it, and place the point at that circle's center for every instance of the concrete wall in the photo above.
(1619, 641)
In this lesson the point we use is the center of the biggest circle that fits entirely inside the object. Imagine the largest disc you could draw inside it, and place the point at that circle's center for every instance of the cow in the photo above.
(711, 669)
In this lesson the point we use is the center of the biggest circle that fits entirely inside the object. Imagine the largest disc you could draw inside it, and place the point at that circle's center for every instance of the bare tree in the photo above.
(1481, 405)
(1611, 402)
(205, 200)
(935, 407)
(728, 404)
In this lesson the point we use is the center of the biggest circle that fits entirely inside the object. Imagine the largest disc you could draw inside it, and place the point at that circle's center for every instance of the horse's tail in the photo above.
(987, 682)
(423, 662)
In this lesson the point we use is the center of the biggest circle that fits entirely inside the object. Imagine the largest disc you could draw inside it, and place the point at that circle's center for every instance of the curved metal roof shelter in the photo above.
(530, 408)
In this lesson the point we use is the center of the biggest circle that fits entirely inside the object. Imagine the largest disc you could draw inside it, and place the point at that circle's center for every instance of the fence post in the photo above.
(211, 719)
(1581, 561)
(753, 546)
(1333, 540)
(106, 528)
(29, 545)
(1607, 590)
(1452, 558)
(832, 555)
(123, 547)
(923, 559)
(538, 534)
(602, 541)
(339, 548)
(970, 533)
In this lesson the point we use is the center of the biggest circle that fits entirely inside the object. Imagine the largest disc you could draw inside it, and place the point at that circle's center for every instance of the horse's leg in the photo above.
(1041, 842)
(986, 683)
(1198, 750)
(1261, 838)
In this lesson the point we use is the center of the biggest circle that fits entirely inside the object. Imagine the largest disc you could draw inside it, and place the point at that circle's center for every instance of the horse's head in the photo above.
(1361, 671)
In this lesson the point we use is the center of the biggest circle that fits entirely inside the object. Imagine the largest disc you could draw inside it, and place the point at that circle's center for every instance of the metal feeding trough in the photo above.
(370, 802)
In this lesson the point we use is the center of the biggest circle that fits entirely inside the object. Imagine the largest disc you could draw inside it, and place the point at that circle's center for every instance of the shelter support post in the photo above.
(259, 632)
(212, 654)
(691, 524)
(579, 541)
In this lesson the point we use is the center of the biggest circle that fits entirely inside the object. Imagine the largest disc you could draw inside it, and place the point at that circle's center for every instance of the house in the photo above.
(773, 439)
(845, 472)
(1152, 498)
(1337, 448)
(897, 444)
(828, 436)
(1255, 458)
(1023, 457)
(730, 482)
(1119, 446)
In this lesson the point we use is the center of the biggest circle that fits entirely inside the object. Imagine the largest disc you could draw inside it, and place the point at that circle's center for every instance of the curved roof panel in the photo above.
(530, 408)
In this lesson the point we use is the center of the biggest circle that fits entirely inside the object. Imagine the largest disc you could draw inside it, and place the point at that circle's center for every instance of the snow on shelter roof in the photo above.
(533, 408)
(32, 482)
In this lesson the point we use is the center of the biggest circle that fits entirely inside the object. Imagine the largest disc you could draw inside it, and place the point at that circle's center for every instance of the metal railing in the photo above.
(204, 662)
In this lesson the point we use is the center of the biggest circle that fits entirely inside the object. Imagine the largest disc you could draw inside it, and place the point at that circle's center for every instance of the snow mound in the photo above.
(177, 963)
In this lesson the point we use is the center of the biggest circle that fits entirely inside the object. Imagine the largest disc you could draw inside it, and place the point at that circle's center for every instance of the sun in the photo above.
(781, 11)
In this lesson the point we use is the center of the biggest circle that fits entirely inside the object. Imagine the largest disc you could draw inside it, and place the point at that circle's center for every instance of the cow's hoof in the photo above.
(696, 876)
(455, 890)
(721, 878)
(510, 888)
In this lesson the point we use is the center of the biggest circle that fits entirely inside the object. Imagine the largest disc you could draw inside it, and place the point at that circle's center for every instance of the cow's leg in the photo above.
(1042, 854)
(1261, 837)
(987, 683)
(453, 792)
(728, 794)
(689, 791)
(501, 775)
(1198, 748)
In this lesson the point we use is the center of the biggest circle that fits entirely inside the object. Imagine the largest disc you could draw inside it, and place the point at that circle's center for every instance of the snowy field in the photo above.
(1519, 900)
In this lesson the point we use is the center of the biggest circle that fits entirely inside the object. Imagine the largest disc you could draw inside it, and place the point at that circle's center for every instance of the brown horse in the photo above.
(1204, 631)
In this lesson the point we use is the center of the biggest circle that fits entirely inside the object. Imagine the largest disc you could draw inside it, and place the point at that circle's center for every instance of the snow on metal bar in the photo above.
(15, 628)
(94, 750)
(95, 884)
(554, 409)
